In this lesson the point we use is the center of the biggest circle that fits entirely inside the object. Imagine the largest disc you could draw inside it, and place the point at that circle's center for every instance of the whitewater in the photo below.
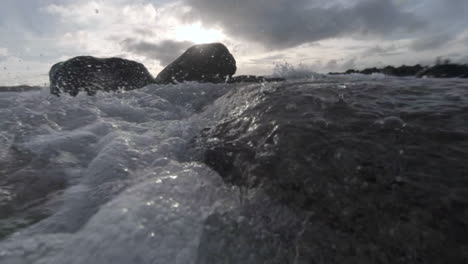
(119, 177)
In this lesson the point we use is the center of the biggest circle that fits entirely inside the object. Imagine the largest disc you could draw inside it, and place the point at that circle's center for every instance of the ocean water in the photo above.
(113, 178)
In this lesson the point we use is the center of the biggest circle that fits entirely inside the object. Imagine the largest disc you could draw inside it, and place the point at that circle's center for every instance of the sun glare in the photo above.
(198, 34)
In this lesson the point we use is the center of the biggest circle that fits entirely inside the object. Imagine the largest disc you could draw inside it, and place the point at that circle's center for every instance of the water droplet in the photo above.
(291, 107)
(391, 122)
(398, 179)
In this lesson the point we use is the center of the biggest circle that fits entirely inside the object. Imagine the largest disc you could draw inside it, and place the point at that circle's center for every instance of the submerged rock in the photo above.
(378, 183)
(203, 63)
(446, 71)
(90, 74)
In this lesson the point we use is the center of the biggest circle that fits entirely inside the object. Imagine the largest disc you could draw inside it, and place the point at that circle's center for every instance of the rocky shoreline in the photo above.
(211, 62)
(200, 63)
(19, 88)
(445, 70)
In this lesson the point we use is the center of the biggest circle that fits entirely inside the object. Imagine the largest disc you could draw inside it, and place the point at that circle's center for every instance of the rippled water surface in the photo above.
(114, 178)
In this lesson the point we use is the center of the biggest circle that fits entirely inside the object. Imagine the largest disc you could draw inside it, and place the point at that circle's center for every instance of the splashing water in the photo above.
(112, 178)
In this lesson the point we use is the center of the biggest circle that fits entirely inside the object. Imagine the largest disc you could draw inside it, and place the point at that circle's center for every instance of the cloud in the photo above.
(3, 54)
(165, 51)
(350, 64)
(280, 24)
(383, 50)
(144, 32)
(332, 65)
(259, 33)
(431, 42)
(3, 51)
(270, 59)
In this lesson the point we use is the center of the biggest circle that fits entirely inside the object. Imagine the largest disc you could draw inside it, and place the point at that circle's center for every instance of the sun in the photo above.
(197, 34)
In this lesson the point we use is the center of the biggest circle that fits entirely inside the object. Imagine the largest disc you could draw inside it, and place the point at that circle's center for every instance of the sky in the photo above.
(321, 35)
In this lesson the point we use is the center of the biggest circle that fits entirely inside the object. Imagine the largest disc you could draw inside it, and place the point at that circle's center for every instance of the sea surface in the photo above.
(114, 178)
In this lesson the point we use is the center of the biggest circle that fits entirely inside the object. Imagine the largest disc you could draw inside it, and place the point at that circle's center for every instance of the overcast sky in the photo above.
(325, 35)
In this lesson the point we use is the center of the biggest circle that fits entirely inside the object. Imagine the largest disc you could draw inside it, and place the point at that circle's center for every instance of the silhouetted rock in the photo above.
(402, 71)
(351, 71)
(90, 74)
(446, 71)
(371, 71)
(202, 63)
(254, 79)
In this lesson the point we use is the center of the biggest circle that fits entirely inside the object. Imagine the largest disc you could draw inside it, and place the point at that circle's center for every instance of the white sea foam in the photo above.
(291, 72)
(117, 157)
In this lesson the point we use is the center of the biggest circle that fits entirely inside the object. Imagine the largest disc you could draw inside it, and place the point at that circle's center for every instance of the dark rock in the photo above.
(254, 79)
(257, 233)
(388, 70)
(446, 71)
(403, 71)
(378, 190)
(351, 71)
(202, 63)
(371, 71)
(90, 74)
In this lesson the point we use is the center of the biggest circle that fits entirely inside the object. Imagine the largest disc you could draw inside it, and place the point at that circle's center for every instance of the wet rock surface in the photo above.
(203, 63)
(377, 173)
(90, 74)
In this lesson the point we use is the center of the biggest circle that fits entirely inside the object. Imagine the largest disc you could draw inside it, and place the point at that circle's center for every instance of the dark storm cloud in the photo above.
(165, 51)
(284, 23)
(446, 21)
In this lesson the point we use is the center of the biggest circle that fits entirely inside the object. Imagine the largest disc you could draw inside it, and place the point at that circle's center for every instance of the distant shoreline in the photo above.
(439, 70)
(19, 88)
